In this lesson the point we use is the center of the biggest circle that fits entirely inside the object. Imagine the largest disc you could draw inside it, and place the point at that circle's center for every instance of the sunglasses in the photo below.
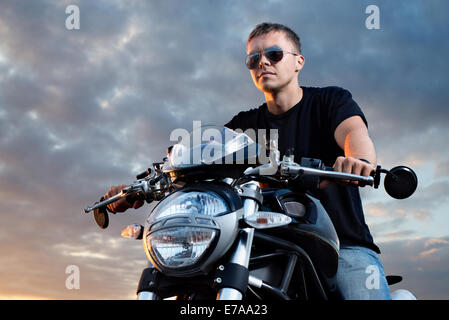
(274, 54)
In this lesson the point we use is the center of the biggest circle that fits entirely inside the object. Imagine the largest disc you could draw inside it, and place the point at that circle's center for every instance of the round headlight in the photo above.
(180, 247)
(189, 230)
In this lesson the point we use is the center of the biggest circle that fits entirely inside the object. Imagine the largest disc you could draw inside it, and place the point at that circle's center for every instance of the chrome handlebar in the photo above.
(153, 186)
(292, 170)
(100, 204)
(289, 169)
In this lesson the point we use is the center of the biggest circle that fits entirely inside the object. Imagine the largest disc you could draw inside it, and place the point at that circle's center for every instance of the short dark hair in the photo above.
(266, 27)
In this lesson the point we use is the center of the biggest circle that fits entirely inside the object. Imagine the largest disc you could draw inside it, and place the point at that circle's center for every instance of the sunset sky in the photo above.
(84, 109)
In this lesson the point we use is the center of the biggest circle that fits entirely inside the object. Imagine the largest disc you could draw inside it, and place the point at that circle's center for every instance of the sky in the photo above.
(84, 109)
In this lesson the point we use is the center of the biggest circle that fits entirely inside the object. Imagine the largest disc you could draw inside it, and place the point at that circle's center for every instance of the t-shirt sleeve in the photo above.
(243, 120)
(341, 106)
(232, 124)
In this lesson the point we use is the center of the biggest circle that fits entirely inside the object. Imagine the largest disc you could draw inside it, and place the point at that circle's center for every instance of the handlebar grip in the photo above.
(134, 197)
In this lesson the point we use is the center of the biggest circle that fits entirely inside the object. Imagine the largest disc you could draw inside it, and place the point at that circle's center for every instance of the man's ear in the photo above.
(300, 63)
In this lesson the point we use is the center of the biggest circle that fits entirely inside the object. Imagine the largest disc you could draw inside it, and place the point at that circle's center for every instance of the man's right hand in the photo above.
(121, 205)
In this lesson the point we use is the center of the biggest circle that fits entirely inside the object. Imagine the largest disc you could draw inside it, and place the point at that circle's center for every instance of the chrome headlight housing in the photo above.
(189, 230)
(195, 202)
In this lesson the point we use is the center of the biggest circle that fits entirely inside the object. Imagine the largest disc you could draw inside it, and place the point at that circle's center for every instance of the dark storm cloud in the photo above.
(84, 109)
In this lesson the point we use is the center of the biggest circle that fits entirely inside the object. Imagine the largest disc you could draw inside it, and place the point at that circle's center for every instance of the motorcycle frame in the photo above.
(299, 265)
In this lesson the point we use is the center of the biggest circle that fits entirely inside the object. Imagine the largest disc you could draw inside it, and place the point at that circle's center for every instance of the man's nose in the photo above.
(263, 61)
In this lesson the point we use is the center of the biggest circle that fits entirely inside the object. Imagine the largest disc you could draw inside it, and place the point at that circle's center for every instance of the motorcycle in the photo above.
(216, 234)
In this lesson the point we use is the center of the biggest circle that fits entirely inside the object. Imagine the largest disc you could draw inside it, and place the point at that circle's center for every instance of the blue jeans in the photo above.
(360, 275)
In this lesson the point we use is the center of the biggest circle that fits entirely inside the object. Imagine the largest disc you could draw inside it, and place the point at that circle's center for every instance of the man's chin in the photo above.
(268, 88)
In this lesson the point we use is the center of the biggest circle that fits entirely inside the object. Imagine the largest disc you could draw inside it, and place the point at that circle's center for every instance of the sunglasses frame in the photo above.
(263, 52)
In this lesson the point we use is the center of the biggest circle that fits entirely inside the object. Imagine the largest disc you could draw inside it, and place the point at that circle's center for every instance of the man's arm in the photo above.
(353, 138)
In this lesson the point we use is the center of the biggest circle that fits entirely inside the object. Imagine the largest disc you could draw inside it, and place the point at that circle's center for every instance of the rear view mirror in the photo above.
(101, 217)
(401, 182)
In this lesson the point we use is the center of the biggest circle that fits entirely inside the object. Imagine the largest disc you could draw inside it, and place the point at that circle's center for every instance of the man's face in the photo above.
(269, 76)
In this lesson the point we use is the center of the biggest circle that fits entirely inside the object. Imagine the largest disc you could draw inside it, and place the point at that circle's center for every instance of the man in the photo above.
(324, 123)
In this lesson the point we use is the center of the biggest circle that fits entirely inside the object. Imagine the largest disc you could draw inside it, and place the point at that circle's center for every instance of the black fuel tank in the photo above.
(312, 228)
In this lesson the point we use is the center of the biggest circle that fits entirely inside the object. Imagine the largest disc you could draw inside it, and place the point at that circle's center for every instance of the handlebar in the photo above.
(309, 167)
(141, 189)
(104, 203)
(151, 185)
(327, 172)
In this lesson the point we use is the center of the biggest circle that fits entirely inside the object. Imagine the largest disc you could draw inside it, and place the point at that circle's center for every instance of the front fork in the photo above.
(145, 279)
(240, 257)
(242, 250)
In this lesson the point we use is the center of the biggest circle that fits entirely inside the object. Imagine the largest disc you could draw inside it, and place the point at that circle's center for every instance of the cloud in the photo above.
(423, 264)
(423, 205)
(435, 242)
(428, 253)
(85, 109)
(424, 212)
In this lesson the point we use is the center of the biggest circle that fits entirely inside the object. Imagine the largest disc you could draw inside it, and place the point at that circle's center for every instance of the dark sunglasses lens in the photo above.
(274, 55)
(252, 60)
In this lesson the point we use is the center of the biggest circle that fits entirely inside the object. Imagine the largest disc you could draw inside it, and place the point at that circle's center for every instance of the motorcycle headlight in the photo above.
(184, 230)
(206, 203)
(180, 247)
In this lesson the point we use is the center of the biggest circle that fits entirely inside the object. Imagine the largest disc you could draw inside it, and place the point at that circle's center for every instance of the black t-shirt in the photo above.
(309, 128)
